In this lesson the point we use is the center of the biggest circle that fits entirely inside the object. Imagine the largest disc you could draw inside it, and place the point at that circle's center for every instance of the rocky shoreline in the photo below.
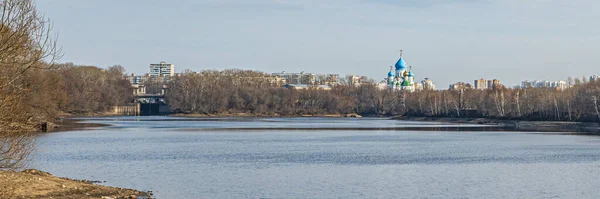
(38, 184)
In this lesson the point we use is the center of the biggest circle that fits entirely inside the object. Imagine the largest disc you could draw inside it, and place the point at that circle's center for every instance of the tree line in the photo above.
(577, 103)
(240, 91)
(33, 87)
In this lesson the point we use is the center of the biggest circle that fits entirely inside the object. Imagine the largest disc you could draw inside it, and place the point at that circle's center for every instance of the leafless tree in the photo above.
(27, 48)
(15, 146)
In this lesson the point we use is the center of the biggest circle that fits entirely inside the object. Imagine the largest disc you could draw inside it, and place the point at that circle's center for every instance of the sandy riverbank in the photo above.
(38, 184)
(546, 126)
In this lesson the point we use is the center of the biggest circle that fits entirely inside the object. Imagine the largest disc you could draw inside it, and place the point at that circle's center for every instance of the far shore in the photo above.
(69, 123)
(353, 115)
(545, 126)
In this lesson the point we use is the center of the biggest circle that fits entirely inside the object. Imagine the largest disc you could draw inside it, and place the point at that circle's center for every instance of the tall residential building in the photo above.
(495, 83)
(594, 78)
(163, 69)
(560, 85)
(481, 84)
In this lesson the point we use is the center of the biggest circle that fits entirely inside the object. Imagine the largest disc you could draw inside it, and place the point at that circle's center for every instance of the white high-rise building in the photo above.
(163, 69)
(560, 85)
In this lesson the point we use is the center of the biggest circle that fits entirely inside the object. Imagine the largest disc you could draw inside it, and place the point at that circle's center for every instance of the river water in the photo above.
(322, 158)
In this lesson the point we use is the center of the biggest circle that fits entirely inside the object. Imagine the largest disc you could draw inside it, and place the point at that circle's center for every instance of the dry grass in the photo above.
(38, 184)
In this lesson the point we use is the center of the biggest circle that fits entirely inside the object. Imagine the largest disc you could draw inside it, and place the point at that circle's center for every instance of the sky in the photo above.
(445, 40)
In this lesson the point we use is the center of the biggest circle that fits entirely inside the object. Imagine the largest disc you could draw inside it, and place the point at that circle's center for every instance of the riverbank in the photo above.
(546, 126)
(262, 115)
(69, 124)
(37, 184)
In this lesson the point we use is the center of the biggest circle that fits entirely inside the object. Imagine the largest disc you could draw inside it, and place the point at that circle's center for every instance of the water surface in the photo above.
(322, 158)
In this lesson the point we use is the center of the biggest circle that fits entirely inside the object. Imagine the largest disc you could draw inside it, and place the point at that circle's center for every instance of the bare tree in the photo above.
(518, 102)
(25, 40)
(594, 100)
(27, 50)
(15, 146)
(26, 45)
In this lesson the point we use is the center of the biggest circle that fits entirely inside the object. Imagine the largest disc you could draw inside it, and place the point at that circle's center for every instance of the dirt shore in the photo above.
(37, 184)
(544, 126)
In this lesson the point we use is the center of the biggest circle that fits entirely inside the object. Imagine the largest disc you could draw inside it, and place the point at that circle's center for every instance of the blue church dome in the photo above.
(390, 74)
(410, 74)
(401, 64)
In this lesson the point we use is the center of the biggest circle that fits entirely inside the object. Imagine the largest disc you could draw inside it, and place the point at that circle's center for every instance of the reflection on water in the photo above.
(322, 158)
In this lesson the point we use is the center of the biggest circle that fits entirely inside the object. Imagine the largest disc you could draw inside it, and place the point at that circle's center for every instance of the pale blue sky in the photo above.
(447, 41)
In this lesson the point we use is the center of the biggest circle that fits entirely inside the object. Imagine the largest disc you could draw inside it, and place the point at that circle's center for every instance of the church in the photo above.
(402, 78)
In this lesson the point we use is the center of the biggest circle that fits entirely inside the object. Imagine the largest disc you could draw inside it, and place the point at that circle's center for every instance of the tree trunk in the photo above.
(595, 104)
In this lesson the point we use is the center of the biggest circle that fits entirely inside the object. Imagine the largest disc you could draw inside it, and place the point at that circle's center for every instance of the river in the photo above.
(322, 158)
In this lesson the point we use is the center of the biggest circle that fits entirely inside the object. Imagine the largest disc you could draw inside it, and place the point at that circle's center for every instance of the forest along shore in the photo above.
(544, 126)
(38, 184)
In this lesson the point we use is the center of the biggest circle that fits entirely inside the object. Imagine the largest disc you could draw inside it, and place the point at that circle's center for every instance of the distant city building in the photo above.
(594, 78)
(276, 81)
(428, 84)
(419, 86)
(305, 86)
(138, 89)
(328, 79)
(356, 80)
(460, 86)
(135, 79)
(482, 84)
(560, 85)
(495, 83)
(162, 69)
(308, 78)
